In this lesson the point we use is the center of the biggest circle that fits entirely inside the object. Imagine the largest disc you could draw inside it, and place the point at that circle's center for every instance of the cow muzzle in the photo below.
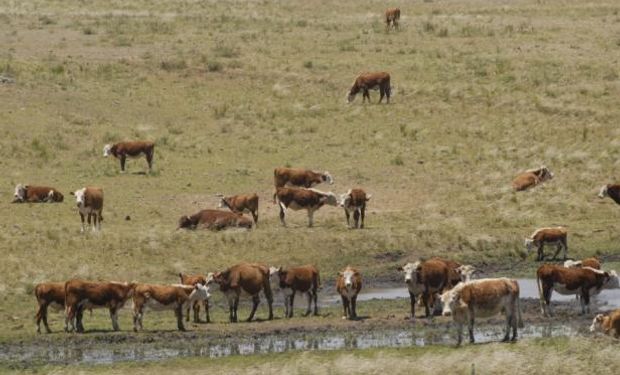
(446, 313)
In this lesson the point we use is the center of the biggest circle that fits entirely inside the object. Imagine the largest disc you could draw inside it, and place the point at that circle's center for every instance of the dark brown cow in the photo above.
(548, 236)
(214, 220)
(371, 81)
(135, 149)
(355, 201)
(612, 191)
(32, 194)
(48, 295)
(608, 324)
(303, 199)
(193, 280)
(531, 177)
(250, 278)
(392, 15)
(303, 279)
(90, 203)
(240, 204)
(80, 295)
(348, 285)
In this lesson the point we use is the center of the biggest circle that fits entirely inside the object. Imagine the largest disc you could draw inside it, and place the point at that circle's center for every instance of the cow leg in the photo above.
(362, 214)
(510, 317)
(353, 305)
(255, 216)
(82, 218)
(425, 301)
(381, 93)
(356, 218)
(149, 160)
(187, 314)
(179, 314)
(255, 302)
(196, 309)
(42, 316)
(79, 317)
(585, 301)
(565, 246)
(291, 304)
(282, 214)
(286, 298)
(123, 158)
(233, 303)
(348, 215)
(541, 256)
(558, 248)
(345, 306)
(114, 317)
(366, 95)
(470, 328)
(547, 291)
(309, 309)
(206, 306)
(310, 217)
(315, 297)
(69, 318)
(412, 297)
(459, 333)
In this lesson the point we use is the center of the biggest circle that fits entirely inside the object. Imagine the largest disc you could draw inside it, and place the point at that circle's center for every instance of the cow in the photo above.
(355, 201)
(392, 15)
(214, 220)
(35, 194)
(348, 285)
(134, 149)
(166, 297)
(483, 298)
(193, 280)
(240, 204)
(303, 199)
(48, 295)
(81, 294)
(298, 177)
(249, 278)
(608, 324)
(612, 191)
(548, 236)
(90, 203)
(302, 279)
(584, 281)
(592, 262)
(531, 178)
(371, 81)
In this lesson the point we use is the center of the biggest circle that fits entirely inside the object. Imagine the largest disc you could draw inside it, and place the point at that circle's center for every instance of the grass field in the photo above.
(229, 90)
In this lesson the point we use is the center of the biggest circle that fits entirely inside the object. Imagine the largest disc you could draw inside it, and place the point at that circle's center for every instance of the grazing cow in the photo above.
(588, 262)
(214, 220)
(611, 191)
(80, 295)
(299, 177)
(371, 81)
(392, 15)
(608, 324)
(303, 279)
(193, 280)
(166, 297)
(48, 295)
(348, 285)
(531, 177)
(240, 204)
(122, 150)
(32, 194)
(249, 278)
(547, 236)
(483, 298)
(355, 201)
(90, 203)
(303, 199)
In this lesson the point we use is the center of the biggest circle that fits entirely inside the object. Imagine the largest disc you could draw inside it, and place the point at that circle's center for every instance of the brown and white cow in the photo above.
(80, 295)
(531, 177)
(90, 203)
(548, 236)
(348, 285)
(48, 295)
(608, 324)
(592, 262)
(392, 15)
(240, 204)
(166, 297)
(134, 149)
(299, 178)
(32, 194)
(246, 278)
(193, 280)
(214, 220)
(483, 298)
(612, 191)
(302, 279)
(303, 199)
(371, 81)
(354, 201)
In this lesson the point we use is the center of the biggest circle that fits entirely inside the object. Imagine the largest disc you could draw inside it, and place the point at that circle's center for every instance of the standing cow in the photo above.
(33, 194)
(48, 295)
(241, 204)
(392, 15)
(302, 279)
(348, 285)
(90, 203)
(135, 149)
(214, 220)
(371, 81)
(303, 199)
(193, 280)
(531, 178)
(612, 191)
(548, 236)
(355, 201)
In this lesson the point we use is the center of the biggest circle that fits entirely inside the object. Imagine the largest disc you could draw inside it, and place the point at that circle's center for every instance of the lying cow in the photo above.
(193, 280)
(299, 178)
(608, 324)
(531, 178)
(348, 285)
(90, 203)
(371, 81)
(80, 295)
(392, 15)
(48, 295)
(135, 149)
(303, 279)
(612, 191)
(588, 262)
(249, 278)
(548, 236)
(214, 220)
(355, 201)
(240, 204)
(483, 298)
(35, 194)
(303, 199)
(166, 297)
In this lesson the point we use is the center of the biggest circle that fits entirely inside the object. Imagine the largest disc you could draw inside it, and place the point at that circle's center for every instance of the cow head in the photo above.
(330, 199)
(345, 199)
(347, 277)
(327, 177)
(200, 293)
(451, 300)
(529, 244)
(185, 222)
(106, 150)
(410, 271)
(612, 282)
(55, 196)
(210, 278)
(545, 173)
(20, 193)
(597, 323)
(351, 95)
(603, 192)
(467, 272)
(80, 196)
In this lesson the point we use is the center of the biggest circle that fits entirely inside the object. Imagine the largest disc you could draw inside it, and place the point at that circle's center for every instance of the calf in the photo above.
(240, 204)
(32, 194)
(48, 295)
(588, 262)
(303, 279)
(548, 236)
(193, 280)
(135, 149)
(612, 191)
(214, 220)
(371, 81)
(249, 278)
(355, 201)
(166, 297)
(531, 177)
(303, 199)
(348, 285)
(90, 203)
(483, 298)
(392, 15)
(608, 324)
(80, 294)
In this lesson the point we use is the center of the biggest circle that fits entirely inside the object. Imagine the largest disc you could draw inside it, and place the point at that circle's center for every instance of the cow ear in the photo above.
(400, 269)
(339, 273)
(72, 193)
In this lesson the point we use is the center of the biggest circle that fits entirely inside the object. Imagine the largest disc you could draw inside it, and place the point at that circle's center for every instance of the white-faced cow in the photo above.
(392, 15)
(371, 81)
(483, 298)
(241, 204)
(303, 199)
(35, 194)
(548, 236)
(193, 280)
(354, 201)
(302, 279)
(531, 177)
(612, 191)
(348, 285)
(214, 220)
(608, 324)
(135, 149)
(90, 204)
(48, 295)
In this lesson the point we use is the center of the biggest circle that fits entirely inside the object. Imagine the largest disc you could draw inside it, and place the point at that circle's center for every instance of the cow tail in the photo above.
(318, 282)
